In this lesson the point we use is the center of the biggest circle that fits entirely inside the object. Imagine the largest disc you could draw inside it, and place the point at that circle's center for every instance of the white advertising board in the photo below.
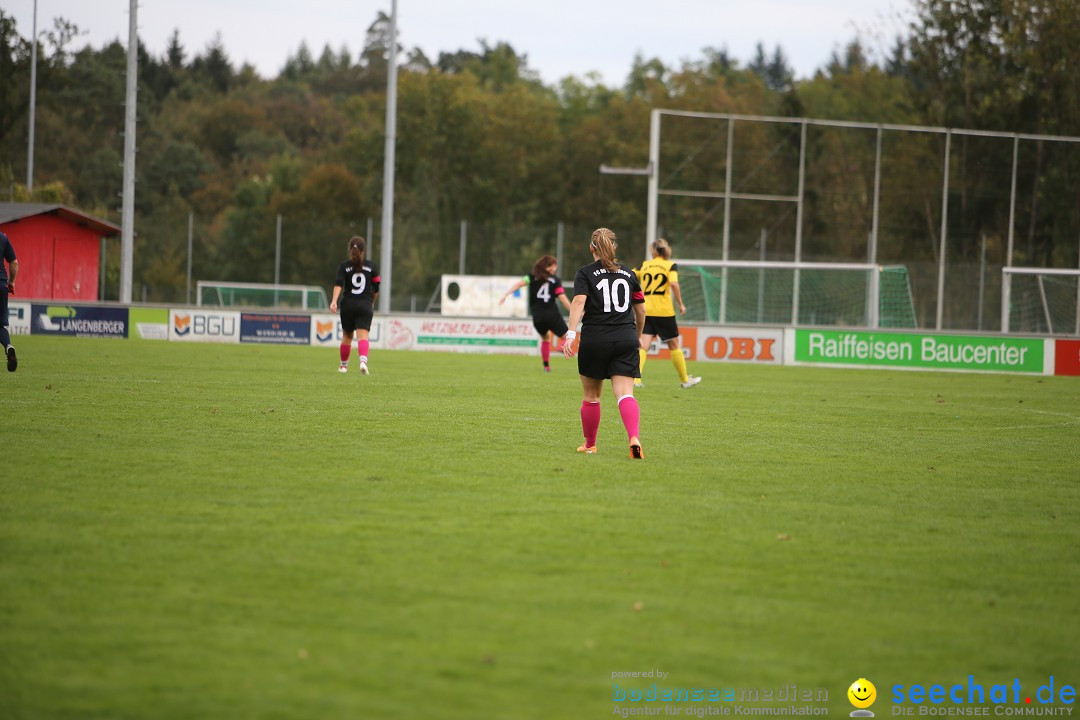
(197, 325)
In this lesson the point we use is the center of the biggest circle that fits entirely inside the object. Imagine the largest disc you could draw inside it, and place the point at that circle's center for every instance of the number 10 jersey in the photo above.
(610, 297)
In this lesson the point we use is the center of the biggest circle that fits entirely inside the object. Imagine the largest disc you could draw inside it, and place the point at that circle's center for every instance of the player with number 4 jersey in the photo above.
(544, 288)
(357, 287)
(609, 304)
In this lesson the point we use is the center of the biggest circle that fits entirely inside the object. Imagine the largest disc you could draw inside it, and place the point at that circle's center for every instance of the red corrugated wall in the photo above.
(58, 259)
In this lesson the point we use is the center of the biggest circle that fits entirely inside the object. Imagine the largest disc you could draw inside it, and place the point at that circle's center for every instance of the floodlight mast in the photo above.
(127, 228)
(387, 258)
(654, 179)
(33, 107)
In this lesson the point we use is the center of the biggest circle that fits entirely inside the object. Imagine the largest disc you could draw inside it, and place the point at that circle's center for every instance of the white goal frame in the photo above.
(220, 285)
(728, 194)
(873, 296)
(1006, 293)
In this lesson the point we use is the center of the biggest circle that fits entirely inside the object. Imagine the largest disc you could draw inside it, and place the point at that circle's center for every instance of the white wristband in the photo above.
(570, 335)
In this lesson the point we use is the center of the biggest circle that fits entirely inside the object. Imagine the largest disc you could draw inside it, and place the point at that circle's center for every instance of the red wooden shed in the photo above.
(59, 250)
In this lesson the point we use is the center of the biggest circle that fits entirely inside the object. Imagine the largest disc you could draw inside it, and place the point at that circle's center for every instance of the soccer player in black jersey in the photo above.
(357, 286)
(610, 306)
(7, 285)
(544, 287)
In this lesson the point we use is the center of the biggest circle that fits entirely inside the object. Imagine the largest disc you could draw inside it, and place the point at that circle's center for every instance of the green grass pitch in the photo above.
(204, 531)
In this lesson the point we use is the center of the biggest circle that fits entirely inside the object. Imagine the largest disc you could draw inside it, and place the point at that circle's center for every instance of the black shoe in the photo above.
(12, 361)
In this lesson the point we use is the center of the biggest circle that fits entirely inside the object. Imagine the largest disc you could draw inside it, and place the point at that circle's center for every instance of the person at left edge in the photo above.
(7, 286)
(544, 287)
(357, 287)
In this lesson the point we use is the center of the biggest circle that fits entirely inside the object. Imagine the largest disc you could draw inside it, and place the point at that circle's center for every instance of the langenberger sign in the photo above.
(922, 351)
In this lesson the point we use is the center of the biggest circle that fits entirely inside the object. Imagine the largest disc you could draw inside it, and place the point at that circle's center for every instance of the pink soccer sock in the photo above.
(343, 351)
(631, 415)
(590, 421)
(545, 351)
(362, 347)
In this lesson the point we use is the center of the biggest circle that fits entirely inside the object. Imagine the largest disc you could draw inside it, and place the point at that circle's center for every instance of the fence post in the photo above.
(982, 279)
(277, 261)
(560, 233)
(461, 248)
(190, 231)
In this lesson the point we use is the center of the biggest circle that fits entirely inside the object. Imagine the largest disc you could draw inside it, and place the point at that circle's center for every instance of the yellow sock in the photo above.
(642, 355)
(679, 362)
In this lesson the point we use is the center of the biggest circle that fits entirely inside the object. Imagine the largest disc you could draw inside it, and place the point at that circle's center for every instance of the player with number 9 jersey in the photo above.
(357, 287)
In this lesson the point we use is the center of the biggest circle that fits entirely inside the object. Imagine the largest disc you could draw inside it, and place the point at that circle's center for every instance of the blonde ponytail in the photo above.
(661, 248)
(603, 245)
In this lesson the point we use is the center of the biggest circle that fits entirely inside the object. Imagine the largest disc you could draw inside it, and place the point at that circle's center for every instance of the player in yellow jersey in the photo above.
(659, 279)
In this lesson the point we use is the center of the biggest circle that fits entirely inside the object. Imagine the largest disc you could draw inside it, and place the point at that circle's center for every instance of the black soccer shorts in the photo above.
(601, 359)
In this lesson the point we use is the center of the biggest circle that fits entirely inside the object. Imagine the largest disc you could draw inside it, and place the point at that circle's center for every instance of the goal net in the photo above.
(801, 293)
(263, 295)
(1040, 300)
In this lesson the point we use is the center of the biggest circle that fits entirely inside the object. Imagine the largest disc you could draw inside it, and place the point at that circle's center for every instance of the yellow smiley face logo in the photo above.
(862, 693)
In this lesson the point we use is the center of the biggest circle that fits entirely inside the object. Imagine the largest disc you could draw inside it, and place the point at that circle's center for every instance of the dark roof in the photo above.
(13, 212)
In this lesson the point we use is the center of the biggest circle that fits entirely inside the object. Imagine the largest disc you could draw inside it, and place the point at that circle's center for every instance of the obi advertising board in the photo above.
(734, 344)
(919, 351)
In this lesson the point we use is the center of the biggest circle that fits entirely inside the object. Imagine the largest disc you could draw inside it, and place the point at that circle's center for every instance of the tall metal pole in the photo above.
(944, 232)
(727, 219)
(127, 228)
(654, 180)
(874, 311)
(1006, 278)
(798, 226)
(388, 165)
(33, 106)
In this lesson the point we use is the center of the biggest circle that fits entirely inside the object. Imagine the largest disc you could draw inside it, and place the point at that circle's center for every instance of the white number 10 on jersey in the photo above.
(617, 292)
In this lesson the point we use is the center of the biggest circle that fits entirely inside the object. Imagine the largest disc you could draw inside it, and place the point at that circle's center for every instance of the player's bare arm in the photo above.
(577, 309)
(677, 294)
(513, 289)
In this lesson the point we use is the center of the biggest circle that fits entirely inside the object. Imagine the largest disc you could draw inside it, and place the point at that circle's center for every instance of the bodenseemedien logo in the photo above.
(862, 695)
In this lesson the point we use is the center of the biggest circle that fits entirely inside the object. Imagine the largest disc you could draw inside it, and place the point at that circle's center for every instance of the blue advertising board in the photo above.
(79, 320)
(276, 329)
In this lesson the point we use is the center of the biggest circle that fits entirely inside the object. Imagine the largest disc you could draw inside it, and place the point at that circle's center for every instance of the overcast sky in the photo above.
(559, 37)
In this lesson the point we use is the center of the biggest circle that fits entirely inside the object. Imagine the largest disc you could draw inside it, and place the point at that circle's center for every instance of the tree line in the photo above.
(480, 138)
